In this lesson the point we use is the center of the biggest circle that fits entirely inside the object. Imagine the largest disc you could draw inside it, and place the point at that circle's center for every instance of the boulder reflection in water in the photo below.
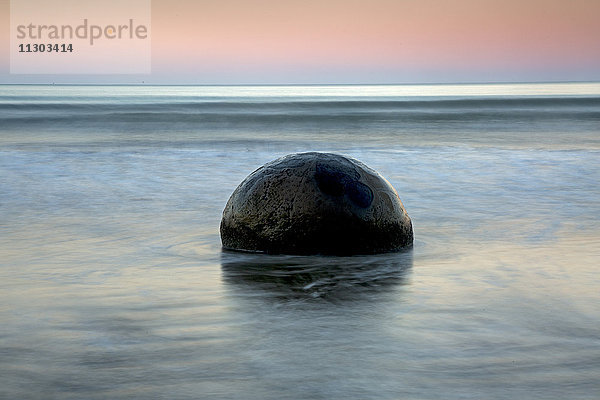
(316, 276)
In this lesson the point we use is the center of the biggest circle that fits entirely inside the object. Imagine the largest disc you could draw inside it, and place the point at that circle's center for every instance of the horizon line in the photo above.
(304, 84)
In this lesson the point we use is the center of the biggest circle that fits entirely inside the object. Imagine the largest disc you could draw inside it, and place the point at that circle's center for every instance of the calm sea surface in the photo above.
(113, 283)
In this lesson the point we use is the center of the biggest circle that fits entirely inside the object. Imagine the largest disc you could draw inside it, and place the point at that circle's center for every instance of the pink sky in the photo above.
(352, 41)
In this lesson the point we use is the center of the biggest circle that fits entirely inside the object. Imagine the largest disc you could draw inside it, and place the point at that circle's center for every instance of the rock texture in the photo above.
(315, 203)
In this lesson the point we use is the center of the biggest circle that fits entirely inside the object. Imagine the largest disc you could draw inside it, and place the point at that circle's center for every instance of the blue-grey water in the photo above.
(113, 283)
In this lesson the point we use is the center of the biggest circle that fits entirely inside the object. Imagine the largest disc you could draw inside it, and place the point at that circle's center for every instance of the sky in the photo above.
(356, 41)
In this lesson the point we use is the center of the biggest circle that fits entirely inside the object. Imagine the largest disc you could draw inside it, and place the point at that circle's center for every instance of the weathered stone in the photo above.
(315, 203)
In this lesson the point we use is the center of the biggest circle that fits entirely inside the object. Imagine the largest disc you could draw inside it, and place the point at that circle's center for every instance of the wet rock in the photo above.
(315, 203)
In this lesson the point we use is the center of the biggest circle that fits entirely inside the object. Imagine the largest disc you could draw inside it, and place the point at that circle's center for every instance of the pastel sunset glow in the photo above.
(377, 41)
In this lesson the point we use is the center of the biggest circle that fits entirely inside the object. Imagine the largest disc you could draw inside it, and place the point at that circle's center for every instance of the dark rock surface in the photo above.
(315, 203)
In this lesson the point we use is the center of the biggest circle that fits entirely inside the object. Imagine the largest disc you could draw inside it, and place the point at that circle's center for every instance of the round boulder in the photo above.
(315, 203)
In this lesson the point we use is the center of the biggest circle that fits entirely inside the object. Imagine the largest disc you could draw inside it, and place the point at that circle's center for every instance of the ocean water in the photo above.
(113, 283)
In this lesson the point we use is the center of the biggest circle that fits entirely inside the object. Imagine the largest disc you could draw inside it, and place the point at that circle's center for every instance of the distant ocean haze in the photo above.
(444, 114)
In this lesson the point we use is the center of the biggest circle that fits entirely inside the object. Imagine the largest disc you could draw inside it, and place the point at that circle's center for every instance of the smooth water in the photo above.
(113, 283)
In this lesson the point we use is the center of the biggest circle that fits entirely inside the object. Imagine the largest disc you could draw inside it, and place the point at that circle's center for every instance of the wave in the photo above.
(36, 103)
(381, 117)
(254, 113)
